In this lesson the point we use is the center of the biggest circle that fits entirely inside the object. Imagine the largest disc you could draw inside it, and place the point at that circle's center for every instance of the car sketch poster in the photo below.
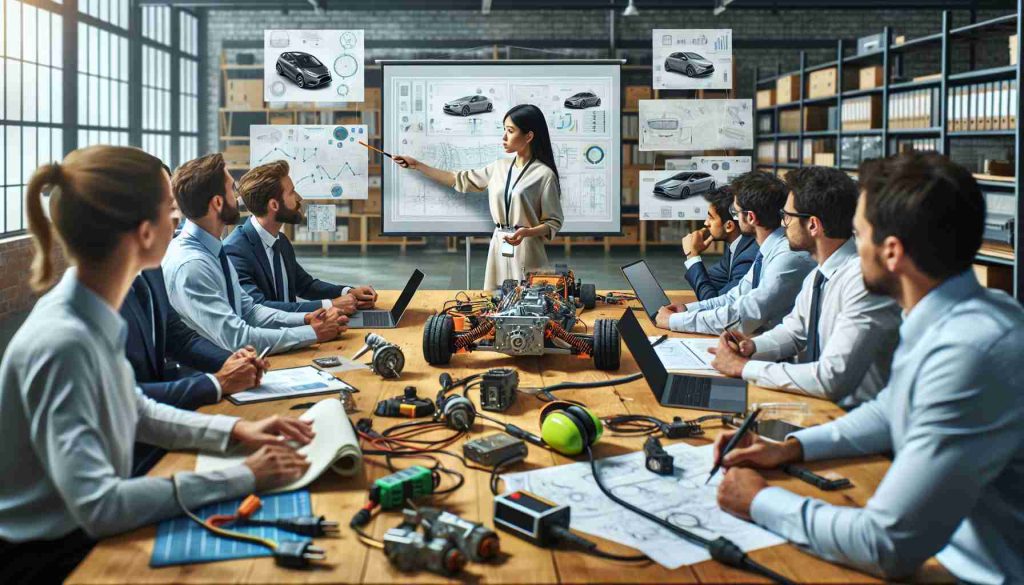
(450, 116)
(689, 125)
(662, 195)
(313, 66)
(692, 58)
(324, 162)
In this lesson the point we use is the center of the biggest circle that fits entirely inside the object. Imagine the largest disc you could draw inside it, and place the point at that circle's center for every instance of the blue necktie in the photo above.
(756, 279)
(227, 278)
(813, 339)
(278, 270)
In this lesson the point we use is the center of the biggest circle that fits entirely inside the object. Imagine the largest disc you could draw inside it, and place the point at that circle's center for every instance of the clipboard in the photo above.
(290, 383)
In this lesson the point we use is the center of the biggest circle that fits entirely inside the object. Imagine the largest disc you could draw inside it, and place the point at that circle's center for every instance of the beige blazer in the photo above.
(536, 200)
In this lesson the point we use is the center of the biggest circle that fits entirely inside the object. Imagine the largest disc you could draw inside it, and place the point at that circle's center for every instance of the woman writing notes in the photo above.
(523, 192)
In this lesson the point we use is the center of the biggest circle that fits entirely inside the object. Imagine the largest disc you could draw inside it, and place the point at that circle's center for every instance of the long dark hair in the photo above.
(529, 118)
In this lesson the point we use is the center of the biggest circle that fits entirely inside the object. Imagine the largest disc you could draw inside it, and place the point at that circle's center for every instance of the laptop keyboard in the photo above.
(690, 391)
(376, 318)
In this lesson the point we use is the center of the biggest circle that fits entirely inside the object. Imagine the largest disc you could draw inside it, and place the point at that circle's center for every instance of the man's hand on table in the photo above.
(275, 462)
(740, 485)
(732, 354)
(664, 313)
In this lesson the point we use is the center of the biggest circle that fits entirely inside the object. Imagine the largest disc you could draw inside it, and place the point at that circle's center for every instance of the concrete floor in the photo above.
(386, 268)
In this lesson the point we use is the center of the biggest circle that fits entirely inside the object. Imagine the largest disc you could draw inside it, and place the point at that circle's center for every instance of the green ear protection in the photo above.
(568, 428)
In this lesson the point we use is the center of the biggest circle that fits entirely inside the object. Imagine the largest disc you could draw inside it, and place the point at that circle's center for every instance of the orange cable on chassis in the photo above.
(535, 316)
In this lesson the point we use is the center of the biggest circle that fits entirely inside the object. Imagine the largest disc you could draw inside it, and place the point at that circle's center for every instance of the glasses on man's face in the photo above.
(786, 216)
(734, 211)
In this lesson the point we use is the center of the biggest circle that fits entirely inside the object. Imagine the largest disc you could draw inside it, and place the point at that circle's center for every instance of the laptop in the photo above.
(704, 392)
(381, 319)
(647, 288)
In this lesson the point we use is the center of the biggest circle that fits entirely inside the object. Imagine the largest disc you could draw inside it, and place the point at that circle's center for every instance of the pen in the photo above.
(659, 340)
(376, 149)
(728, 330)
(264, 353)
(747, 423)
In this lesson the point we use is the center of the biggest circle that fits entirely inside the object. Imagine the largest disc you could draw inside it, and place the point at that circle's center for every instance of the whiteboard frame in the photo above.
(617, 120)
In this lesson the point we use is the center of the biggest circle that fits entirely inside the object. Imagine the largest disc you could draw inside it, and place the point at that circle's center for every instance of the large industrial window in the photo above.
(31, 101)
(188, 46)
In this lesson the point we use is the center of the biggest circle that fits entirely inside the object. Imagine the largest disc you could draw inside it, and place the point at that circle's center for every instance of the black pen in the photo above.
(747, 423)
(659, 340)
(728, 331)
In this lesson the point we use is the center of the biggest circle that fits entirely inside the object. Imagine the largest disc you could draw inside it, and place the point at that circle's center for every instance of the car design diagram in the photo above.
(582, 100)
(689, 64)
(305, 70)
(471, 104)
(684, 185)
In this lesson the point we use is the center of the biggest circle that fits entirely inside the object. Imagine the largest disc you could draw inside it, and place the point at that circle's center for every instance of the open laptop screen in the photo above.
(646, 287)
(644, 354)
(406, 297)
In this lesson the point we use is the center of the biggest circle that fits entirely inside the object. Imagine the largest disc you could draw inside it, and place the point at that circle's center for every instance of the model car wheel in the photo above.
(606, 345)
(598, 102)
(711, 188)
(689, 70)
(588, 294)
(465, 110)
(300, 81)
(438, 335)
(490, 107)
(279, 70)
(684, 193)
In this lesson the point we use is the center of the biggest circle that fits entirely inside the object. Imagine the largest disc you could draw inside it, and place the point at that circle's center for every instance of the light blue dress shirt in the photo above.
(198, 292)
(70, 414)
(782, 274)
(953, 415)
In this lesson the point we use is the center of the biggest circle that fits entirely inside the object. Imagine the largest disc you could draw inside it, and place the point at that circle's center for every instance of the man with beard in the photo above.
(950, 414)
(766, 292)
(842, 335)
(265, 259)
(740, 249)
(203, 286)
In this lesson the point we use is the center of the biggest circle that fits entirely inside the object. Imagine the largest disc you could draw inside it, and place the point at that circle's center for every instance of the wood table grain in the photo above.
(125, 558)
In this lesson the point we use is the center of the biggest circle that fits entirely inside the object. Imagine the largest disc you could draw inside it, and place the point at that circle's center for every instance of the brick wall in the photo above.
(15, 263)
(524, 26)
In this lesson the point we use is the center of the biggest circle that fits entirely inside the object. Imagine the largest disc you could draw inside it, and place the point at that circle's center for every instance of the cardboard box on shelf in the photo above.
(244, 93)
(815, 118)
(995, 276)
(787, 89)
(280, 118)
(635, 93)
(862, 113)
(236, 154)
(766, 98)
(823, 83)
(825, 159)
(871, 77)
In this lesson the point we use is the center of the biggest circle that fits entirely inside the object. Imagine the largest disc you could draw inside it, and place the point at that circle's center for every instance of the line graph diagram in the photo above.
(325, 162)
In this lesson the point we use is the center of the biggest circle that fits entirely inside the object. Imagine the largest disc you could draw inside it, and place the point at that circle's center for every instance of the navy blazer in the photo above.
(249, 256)
(716, 281)
(173, 338)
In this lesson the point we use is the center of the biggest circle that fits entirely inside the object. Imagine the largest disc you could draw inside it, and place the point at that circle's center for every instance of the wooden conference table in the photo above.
(125, 558)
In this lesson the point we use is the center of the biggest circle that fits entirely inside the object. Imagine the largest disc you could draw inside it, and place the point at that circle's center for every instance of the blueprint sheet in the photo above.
(681, 499)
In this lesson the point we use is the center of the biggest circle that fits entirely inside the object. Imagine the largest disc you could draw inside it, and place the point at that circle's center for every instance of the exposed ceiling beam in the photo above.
(474, 5)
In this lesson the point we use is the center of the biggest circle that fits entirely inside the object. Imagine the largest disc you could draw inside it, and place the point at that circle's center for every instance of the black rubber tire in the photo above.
(588, 295)
(684, 193)
(689, 70)
(490, 107)
(279, 70)
(598, 102)
(711, 189)
(438, 335)
(607, 349)
(300, 81)
(465, 110)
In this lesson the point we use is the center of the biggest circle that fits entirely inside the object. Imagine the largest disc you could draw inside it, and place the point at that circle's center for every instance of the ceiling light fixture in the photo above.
(631, 10)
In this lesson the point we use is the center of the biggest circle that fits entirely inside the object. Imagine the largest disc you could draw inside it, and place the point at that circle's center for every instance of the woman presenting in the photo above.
(523, 192)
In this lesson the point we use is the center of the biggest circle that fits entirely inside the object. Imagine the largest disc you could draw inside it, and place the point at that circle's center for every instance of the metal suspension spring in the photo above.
(580, 344)
(463, 341)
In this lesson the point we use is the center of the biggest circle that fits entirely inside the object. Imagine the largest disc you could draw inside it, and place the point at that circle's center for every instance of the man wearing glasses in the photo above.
(842, 335)
(766, 293)
(740, 249)
(202, 285)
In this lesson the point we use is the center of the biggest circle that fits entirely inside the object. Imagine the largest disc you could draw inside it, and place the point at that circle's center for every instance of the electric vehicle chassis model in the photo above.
(532, 317)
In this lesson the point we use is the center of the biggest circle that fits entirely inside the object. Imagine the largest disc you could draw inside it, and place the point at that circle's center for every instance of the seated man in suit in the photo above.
(203, 285)
(740, 249)
(265, 259)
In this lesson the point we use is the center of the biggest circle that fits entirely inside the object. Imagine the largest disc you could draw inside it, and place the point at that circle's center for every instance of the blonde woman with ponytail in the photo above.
(69, 408)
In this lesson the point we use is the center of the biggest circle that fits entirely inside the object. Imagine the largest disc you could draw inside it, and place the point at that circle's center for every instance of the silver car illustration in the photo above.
(685, 184)
(471, 104)
(581, 100)
(689, 64)
(304, 69)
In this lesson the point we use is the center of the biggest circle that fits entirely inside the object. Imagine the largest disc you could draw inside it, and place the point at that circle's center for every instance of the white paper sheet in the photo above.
(680, 354)
(335, 445)
(682, 499)
(290, 383)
